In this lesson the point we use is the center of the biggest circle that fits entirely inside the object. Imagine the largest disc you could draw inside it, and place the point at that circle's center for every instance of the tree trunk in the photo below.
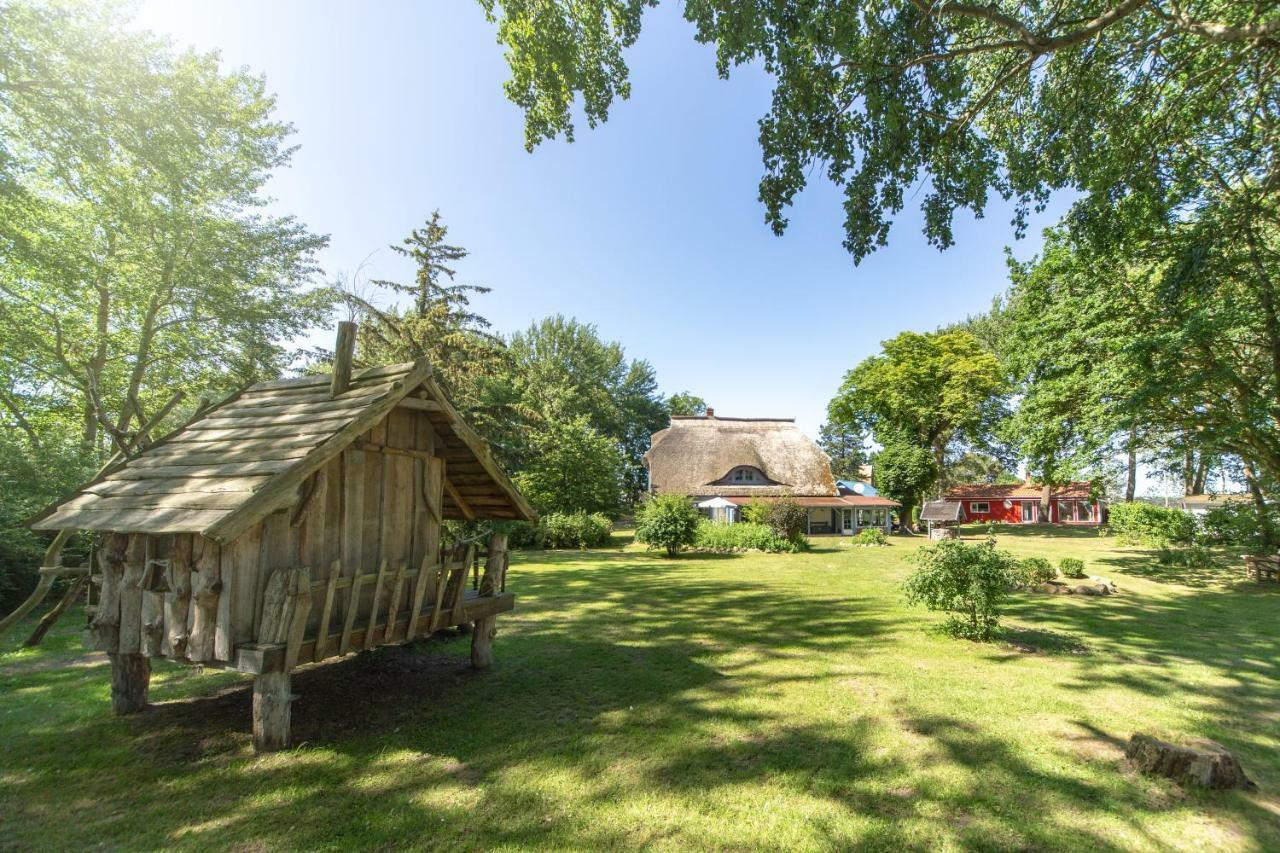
(47, 621)
(1188, 469)
(1131, 476)
(1045, 505)
(1202, 473)
(130, 682)
(1270, 540)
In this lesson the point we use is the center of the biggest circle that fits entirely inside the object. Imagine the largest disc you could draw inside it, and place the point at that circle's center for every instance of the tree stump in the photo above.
(271, 698)
(482, 641)
(130, 682)
(1203, 763)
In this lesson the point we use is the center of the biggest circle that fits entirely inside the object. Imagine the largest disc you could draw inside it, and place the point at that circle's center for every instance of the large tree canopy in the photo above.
(1150, 102)
(927, 390)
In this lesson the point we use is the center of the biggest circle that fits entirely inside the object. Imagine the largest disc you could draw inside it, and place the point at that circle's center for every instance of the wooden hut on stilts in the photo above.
(298, 520)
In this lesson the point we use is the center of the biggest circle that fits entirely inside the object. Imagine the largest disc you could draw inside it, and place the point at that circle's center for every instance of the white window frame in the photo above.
(985, 506)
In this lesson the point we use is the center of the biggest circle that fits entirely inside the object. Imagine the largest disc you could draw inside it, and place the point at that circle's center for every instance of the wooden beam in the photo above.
(465, 508)
(420, 405)
(394, 451)
(326, 610)
(344, 352)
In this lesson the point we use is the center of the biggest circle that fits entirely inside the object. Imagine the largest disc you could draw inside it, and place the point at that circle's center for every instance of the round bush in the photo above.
(1072, 568)
(669, 522)
(968, 582)
(871, 536)
(1037, 570)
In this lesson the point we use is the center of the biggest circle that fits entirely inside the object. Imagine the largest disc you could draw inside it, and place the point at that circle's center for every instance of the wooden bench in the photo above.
(1262, 568)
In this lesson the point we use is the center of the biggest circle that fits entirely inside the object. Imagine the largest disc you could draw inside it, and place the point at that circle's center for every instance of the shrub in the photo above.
(756, 512)
(1149, 524)
(1072, 568)
(576, 530)
(967, 581)
(871, 536)
(1237, 523)
(788, 519)
(1036, 570)
(669, 522)
(522, 535)
(745, 536)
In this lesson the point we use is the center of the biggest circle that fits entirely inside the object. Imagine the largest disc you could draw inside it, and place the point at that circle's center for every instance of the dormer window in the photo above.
(743, 475)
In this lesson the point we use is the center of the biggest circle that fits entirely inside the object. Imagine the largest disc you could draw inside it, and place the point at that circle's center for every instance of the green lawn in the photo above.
(744, 701)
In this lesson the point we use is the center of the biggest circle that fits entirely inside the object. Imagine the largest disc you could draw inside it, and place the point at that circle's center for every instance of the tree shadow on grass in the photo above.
(1226, 570)
(415, 742)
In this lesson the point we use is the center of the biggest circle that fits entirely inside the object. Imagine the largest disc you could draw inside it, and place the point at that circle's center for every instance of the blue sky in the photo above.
(647, 226)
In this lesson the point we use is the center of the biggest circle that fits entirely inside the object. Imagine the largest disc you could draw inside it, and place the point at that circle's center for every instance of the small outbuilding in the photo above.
(942, 518)
(297, 520)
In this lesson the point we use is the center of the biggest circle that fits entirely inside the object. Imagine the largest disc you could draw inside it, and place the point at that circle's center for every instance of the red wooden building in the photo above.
(1020, 503)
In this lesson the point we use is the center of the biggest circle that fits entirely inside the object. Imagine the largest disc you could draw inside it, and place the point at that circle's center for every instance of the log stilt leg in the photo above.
(130, 682)
(482, 641)
(271, 699)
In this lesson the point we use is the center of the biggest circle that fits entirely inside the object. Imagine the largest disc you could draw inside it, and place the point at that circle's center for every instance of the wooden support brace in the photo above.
(465, 508)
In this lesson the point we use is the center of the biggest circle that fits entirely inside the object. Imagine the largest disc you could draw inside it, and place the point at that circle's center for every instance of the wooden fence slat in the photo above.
(369, 641)
(419, 593)
(394, 606)
(353, 605)
(326, 610)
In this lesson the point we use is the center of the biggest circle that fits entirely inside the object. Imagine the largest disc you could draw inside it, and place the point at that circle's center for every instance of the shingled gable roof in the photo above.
(246, 457)
(694, 453)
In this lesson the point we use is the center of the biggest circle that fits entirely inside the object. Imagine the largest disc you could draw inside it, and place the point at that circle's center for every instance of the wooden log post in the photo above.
(177, 601)
(206, 589)
(130, 682)
(106, 620)
(343, 354)
(271, 698)
(286, 604)
(482, 641)
(486, 627)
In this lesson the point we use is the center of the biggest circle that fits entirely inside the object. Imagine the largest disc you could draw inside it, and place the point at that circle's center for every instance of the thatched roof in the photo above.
(695, 454)
(941, 511)
(246, 457)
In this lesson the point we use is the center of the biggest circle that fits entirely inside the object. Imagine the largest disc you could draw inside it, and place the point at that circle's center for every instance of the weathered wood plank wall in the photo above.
(381, 501)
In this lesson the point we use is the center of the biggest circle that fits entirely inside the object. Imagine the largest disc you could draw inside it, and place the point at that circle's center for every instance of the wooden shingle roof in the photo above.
(941, 511)
(246, 457)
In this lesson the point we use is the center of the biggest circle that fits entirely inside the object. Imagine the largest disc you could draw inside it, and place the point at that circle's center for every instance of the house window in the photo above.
(979, 506)
(744, 475)
(1075, 511)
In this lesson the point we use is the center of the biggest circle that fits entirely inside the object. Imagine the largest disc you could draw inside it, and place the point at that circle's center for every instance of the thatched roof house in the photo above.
(741, 460)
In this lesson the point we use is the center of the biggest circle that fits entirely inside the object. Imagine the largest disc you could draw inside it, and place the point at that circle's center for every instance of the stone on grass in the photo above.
(1201, 763)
